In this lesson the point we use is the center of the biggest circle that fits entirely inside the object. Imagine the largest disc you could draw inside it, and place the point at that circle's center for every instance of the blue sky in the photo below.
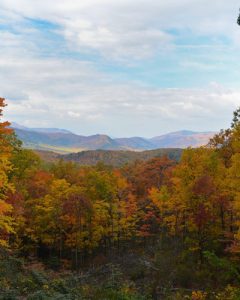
(124, 68)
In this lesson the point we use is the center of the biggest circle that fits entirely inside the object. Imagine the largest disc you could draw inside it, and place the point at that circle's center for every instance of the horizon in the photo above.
(16, 125)
(120, 68)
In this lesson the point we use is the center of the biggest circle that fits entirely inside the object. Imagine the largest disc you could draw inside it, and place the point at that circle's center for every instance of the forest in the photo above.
(154, 229)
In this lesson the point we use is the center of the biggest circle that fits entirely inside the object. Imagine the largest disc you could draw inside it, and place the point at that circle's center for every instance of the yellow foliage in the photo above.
(199, 295)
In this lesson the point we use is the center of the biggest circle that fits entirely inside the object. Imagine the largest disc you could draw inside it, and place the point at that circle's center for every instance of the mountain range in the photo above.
(64, 141)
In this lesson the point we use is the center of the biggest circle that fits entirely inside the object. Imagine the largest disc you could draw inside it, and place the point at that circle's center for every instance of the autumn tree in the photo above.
(76, 216)
(145, 175)
(5, 186)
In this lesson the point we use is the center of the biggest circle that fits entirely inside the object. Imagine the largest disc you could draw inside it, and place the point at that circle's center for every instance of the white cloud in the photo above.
(63, 91)
(73, 114)
(74, 95)
(119, 44)
(134, 29)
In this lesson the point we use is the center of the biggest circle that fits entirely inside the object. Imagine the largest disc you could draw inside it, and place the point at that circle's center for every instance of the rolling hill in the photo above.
(109, 157)
(118, 158)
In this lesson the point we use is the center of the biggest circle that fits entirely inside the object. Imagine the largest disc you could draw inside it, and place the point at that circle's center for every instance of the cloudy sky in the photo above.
(120, 67)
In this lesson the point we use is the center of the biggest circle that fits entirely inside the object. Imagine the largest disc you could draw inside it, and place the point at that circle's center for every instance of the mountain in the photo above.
(63, 141)
(182, 139)
(50, 130)
(43, 130)
(110, 157)
(136, 143)
(15, 125)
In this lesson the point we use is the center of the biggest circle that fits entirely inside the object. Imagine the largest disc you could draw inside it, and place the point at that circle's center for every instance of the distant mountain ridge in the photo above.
(64, 141)
(182, 139)
(43, 130)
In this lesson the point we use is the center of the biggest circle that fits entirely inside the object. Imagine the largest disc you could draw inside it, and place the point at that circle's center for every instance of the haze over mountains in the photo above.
(64, 141)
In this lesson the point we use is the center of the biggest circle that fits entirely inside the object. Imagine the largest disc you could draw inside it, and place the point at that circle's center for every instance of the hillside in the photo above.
(110, 157)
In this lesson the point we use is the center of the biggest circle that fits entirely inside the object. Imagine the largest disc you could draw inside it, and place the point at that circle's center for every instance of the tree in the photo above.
(77, 212)
(233, 183)
(227, 142)
(5, 186)
(188, 207)
(47, 218)
(145, 175)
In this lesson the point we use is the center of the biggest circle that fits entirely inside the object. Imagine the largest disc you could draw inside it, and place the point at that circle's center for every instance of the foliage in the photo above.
(6, 149)
(156, 228)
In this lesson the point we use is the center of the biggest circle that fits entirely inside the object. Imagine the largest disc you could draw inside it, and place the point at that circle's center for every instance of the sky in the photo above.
(120, 67)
